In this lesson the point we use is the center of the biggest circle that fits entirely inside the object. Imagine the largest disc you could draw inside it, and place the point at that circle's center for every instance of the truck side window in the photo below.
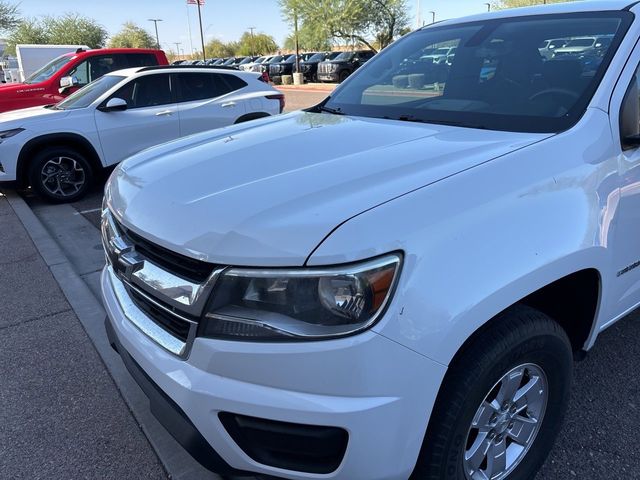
(81, 72)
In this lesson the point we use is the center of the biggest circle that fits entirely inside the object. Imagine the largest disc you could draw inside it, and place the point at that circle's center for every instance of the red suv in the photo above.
(67, 73)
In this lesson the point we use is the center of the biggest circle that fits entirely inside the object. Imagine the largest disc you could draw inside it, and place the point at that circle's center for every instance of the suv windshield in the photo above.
(344, 56)
(318, 57)
(497, 79)
(49, 70)
(89, 93)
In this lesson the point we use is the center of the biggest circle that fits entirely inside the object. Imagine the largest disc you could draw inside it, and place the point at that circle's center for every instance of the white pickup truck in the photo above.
(405, 295)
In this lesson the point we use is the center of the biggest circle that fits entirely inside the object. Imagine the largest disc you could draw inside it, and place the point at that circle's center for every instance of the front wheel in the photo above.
(60, 174)
(343, 75)
(502, 402)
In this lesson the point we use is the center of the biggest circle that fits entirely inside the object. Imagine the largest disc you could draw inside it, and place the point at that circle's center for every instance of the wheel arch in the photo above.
(572, 301)
(74, 140)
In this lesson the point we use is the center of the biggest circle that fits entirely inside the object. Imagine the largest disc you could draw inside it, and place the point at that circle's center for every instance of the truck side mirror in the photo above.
(114, 104)
(630, 117)
(67, 83)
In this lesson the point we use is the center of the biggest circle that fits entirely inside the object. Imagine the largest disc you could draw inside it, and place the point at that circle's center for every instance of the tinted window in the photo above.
(141, 59)
(344, 56)
(318, 57)
(202, 86)
(147, 91)
(497, 79)
(95, 67)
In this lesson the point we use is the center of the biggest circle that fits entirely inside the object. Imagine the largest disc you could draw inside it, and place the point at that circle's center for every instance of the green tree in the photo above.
(9, 17)
(218, 49)
(67, 29)
(132, 36)
(75, 29)
(362, 21)
(309, 39)
(257, 44)
(29, 30)
(523, 3)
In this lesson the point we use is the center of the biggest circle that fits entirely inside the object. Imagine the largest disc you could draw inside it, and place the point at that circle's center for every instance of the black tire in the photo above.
(521, 335)
(74, 174)
(344, 74)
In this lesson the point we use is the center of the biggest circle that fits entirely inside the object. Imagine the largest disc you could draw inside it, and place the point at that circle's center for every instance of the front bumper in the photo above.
(379, 392)
(9, 151)
(328, 77)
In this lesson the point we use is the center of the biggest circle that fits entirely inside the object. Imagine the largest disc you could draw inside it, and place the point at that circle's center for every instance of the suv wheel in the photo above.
(501, 405)
(343, 75)
(60, 174)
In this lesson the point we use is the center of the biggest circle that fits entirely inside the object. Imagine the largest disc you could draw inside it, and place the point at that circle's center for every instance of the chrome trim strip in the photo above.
(189, 297)
(144, 323)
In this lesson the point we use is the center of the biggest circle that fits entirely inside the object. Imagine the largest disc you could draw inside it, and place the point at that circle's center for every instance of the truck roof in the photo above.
(568, 7)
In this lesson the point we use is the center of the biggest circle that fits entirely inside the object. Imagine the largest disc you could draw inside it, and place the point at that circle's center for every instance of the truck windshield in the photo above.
(49, 70)
(498, 78)
(89, 93)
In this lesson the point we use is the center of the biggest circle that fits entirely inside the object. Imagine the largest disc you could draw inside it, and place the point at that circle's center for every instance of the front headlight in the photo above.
(300, 304)
(9, 133)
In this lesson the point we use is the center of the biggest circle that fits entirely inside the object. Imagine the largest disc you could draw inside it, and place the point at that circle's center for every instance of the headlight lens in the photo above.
(9, 133)
(300, 304)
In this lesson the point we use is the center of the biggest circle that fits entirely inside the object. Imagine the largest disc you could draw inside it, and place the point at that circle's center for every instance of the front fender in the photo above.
(480, 241)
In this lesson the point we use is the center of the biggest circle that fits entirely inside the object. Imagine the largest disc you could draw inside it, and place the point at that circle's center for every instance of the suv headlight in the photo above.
(300, 304)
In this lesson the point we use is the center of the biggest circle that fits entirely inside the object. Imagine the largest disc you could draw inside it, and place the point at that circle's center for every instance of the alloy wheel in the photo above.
(62, 176)
(506, 424)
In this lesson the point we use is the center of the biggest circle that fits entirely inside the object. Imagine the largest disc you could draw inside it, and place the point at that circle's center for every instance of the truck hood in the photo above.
(268, 194)
(18, 118)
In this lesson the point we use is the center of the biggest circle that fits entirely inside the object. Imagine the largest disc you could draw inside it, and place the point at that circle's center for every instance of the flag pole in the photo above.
(204, 55)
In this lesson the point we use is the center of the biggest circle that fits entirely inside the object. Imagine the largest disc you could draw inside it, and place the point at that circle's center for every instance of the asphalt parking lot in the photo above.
(597, 441)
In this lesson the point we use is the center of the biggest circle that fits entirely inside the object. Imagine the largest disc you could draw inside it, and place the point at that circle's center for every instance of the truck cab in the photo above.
(69, 72)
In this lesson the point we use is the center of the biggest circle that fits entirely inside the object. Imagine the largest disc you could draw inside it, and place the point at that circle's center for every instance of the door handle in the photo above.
(164, 112)
(228, 105)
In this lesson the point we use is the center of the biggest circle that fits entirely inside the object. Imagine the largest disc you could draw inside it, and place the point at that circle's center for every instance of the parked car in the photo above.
(67, 73)
(548, 47)
(58, 149)
(248, 66)
(339, 69)
(582, 45)
(288, 65)
(309, 67)
(405, 299)
(440, 55)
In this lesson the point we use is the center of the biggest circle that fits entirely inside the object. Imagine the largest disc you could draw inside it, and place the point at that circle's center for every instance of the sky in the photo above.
(223, 19)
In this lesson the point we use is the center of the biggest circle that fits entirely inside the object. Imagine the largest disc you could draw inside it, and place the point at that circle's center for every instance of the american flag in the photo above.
(195, 2)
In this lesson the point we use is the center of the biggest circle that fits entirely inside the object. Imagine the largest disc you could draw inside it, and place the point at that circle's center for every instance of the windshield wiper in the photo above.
(333, 111)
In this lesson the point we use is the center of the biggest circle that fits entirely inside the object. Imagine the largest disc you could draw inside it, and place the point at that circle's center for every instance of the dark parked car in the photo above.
(288, 65)
(310, 66)
(338, 69)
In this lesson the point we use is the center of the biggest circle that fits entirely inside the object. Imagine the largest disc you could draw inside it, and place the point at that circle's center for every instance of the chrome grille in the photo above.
(170, 289)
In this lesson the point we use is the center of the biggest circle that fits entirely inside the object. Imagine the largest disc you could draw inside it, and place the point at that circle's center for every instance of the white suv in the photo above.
(57, 149)
(407, 297)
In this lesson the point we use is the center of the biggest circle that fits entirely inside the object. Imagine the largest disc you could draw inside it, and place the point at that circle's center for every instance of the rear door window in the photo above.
(195, 86)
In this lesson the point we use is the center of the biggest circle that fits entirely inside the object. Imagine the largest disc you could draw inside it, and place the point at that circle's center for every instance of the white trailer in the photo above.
(33, 57)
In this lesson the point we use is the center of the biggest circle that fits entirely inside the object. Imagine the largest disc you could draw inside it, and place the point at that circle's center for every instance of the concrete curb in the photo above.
(176, 461)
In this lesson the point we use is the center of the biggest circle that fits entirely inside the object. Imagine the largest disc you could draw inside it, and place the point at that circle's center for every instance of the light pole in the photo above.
(433, 16)
(488, 7)
(177, 44)
(251, 29)
(155, 23)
